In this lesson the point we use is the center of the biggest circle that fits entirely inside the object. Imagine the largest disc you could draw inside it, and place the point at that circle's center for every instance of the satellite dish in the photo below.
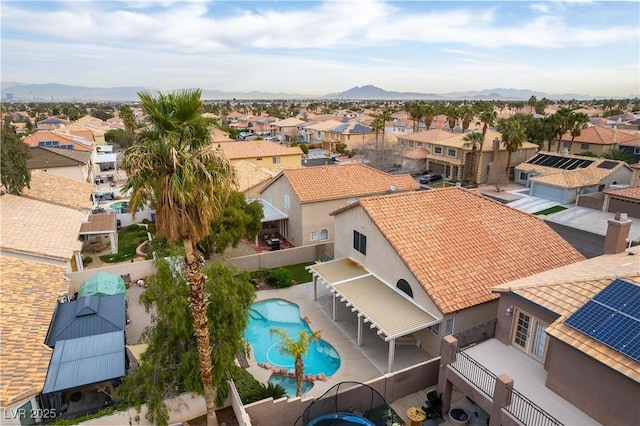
(392, 188)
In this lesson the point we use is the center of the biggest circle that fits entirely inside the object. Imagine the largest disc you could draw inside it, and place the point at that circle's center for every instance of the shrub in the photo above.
(279, 278)
(304, 148)
(87, 260)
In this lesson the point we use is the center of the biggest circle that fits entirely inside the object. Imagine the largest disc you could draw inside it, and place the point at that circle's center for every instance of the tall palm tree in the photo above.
(532, 103)
(128, 119)
(385, 116)
(513, 137)
(579, 121)
(453, 113)
(488, 119)
(377, 125)
(174, 165)
(415, 112)
(473, 140)
(562, 124)
(467, 112)
(429, 112)
(296, 349)
(619, 155)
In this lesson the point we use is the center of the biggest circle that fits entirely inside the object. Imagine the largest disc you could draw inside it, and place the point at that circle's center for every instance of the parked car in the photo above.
(430, 178)
(243, 135)
(270, 138)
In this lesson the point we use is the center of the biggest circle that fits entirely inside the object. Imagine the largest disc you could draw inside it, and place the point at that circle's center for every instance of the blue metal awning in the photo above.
(86, 360)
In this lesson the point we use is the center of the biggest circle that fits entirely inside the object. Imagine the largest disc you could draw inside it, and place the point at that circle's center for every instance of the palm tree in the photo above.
(174, 165)
(532, 103)
(513, 137)
(452, 113)
(384, 116)
(415, 112)
(296, 349)
(377, 125)
(473, 140)
(488, 119)
(562, 124)
(579, 121)
(467, 112)
(128, 118)
(429, 112)
(619, 155)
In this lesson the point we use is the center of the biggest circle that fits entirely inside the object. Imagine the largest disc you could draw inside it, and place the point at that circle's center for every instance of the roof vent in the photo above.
(392, 188)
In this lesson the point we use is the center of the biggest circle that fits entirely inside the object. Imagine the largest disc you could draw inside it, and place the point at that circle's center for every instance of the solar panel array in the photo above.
(559, 162)
(608, 164)
(612, 317)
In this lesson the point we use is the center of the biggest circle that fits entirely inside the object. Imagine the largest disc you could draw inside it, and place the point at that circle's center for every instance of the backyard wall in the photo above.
(286, 411)
(136, 270)
(278, 258)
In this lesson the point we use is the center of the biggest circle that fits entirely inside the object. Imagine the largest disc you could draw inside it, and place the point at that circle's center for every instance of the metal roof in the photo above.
(87, 316)
(270, 212)
(388, 310)
(86, 360)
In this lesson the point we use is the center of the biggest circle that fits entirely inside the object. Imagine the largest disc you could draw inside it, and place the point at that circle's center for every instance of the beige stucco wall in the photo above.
(78, 173)
(286, 161)
(274, 194)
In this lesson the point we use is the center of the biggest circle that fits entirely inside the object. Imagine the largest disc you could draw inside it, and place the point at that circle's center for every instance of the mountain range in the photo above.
(52, 92)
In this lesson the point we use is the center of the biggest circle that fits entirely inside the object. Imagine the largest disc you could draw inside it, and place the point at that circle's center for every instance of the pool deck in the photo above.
(358, 363)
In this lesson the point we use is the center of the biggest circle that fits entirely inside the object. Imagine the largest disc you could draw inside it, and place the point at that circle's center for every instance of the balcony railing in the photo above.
(475, 372)
(477, 334)
(528, 412)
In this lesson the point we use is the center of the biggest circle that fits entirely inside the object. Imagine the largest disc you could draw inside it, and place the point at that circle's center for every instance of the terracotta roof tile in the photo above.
(460, 244)
(35, 138)
(257, 148)
(319, 183)
(288, 122)
(37, 228)
(59, 190)
(249, 175)
(600, 135)
(456, 140)
(29, 292)
(632, 192)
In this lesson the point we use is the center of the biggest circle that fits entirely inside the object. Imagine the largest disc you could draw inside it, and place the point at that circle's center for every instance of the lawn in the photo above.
(550, 210)
(298, 273)
(128, 240)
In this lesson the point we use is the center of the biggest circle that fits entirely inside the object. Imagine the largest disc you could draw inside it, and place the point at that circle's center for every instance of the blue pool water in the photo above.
(120, 207)
(321, 357)
(289, 384)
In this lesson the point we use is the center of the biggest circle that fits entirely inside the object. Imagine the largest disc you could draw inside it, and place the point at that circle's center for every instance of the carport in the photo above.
(375, 302)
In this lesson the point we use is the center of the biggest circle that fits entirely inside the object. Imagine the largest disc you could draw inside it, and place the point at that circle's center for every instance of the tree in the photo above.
(385, 116)
(238, 219)
(561, 122)
(296, 349)
(13, 168)
(169, 366)
(453, 113)
(619, 155)
(377, 125)
(467, 112)
(513, 137)
(119, 137)
(579, 121)
(473, 140)
(429, 112)
(128, 118)
(532, 103)
(415, 112)
(488, 119)
(174, 165)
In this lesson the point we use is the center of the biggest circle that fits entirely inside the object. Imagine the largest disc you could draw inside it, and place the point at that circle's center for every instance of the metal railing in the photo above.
(477, 334)
(528, 412)
(475, 372)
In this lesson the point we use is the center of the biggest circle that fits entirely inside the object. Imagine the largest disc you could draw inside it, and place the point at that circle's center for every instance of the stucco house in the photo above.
(446, 153)
(624, 200)
(595, 139)
(567, 340)
(562, 178)
(67, 163)
(307, 195)
(286, 129)
(31, 290)
(438, 253)
(262, 153)
(59, 190)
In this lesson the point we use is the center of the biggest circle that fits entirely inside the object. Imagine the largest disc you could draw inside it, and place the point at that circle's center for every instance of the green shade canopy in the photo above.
(103, 284)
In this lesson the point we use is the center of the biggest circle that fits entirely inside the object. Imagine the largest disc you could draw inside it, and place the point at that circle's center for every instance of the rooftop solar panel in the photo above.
(560, 162)
(608, 164)
(612, 317)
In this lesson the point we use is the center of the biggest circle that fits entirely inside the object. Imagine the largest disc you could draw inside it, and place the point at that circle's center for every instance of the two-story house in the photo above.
(307, 195)
(262, 153)
(595, 139)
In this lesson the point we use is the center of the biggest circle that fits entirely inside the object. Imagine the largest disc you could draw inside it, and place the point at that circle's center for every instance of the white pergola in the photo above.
(375, 302)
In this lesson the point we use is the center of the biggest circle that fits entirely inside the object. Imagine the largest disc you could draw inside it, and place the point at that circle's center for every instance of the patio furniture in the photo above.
(433, 405)
(416, 415)
(127, 280)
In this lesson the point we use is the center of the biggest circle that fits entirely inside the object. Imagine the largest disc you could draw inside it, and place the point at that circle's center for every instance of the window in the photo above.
(566, 144)
(636, 150)
(403, 285)
(435, 328)
(324, 235)
(437, 150)
(360, 242)
(584, 146)
(313, 236)
(286, 201)
(451, 152)
(259, 159)
(276, 160)
(523, 176)
(448, 326)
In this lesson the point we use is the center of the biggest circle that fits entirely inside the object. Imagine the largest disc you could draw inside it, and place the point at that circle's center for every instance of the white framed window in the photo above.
(324, 235)
(276, 160)
(313, 236)
(286, 201)
(523, 175)
(448, 326)
(435, 329)
(451, 152)
(437, 150)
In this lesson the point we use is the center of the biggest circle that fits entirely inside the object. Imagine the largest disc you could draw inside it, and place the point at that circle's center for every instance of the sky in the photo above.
(320, 47)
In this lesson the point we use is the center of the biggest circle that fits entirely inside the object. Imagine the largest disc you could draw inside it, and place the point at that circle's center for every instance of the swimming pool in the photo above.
(120, 206)
(321, 357)
(289, 384)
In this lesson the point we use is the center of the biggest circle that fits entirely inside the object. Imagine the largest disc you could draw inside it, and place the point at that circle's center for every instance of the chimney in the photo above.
(617, 233)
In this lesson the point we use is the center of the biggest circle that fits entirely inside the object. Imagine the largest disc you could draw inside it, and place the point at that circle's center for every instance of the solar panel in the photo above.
(608, 164)
(560, 162)
(612, 317)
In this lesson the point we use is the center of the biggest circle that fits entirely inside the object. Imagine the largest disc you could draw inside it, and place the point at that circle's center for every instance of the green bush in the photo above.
(304, 148)
(251, 390)
(87, 260)
(279, 278)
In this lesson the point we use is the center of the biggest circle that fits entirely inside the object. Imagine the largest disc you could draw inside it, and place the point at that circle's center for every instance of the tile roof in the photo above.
(320, 183)
(456, 140)
(632, 192)
(250, 175)
(85, 134)
(36, 228)
(99, 223)
(288, 122)
(257, 148)
(416, 153)
(46, 157)
(29, 291)
(59, 190)
(564, 290)
(600, 135)
(35, 138)
(323, 126)
(460, 244)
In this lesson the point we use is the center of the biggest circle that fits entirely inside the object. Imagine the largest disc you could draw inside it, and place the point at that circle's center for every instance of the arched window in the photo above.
(324, 235)
(405, 287)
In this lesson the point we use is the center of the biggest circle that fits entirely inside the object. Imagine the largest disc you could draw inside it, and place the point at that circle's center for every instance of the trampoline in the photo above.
(339, 419)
